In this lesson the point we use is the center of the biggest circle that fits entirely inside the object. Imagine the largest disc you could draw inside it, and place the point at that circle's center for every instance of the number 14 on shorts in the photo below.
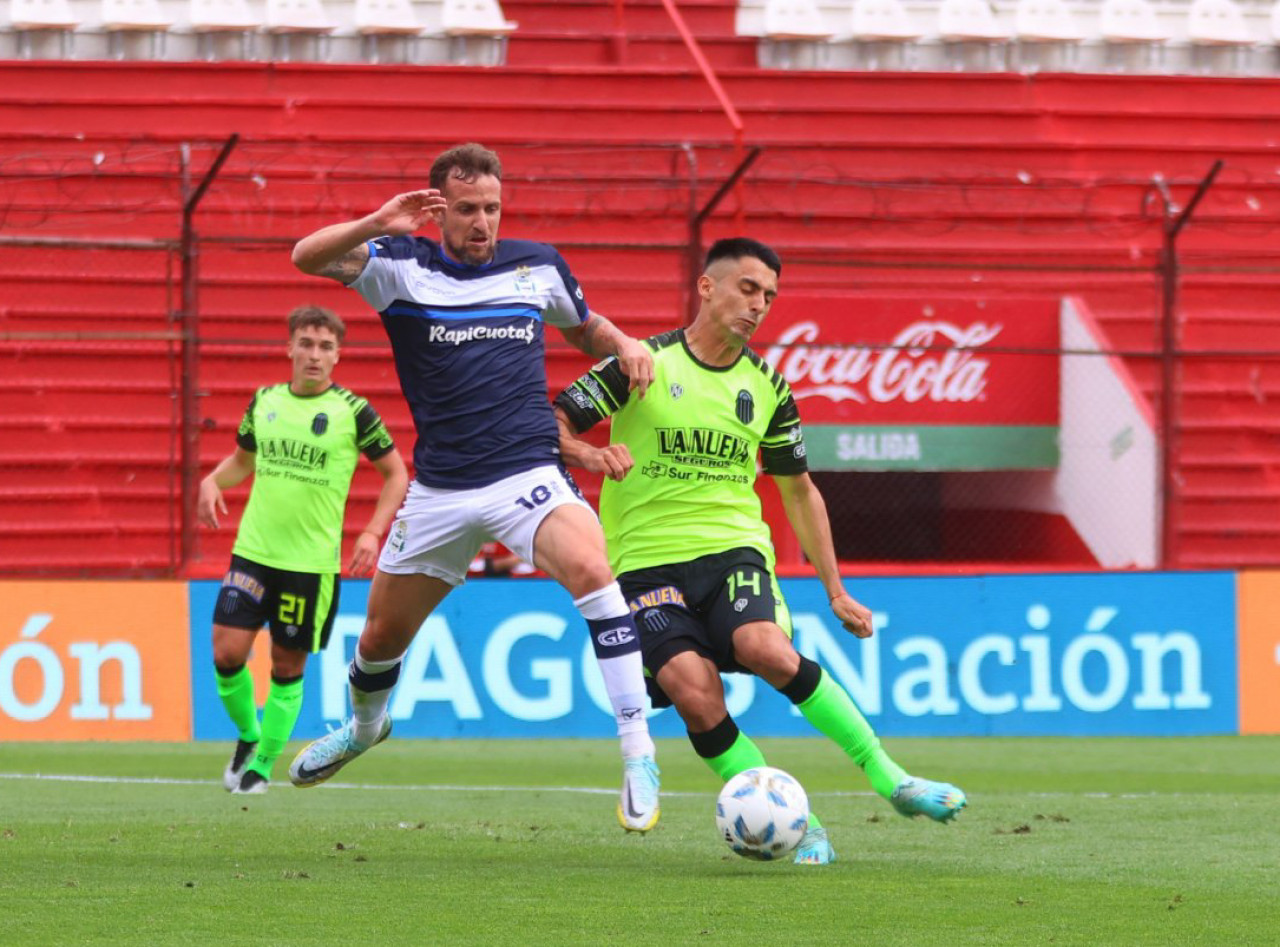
(743, 581)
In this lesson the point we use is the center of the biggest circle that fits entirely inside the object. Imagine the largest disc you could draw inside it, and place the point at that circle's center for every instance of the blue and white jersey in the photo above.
(469, 350)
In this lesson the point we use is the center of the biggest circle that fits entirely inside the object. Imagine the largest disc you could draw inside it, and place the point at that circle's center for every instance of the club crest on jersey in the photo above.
(399, 535)
(745, 407)
(237, 581)
(676, 391)
(319, 424)
(524, 281)
(655, 619)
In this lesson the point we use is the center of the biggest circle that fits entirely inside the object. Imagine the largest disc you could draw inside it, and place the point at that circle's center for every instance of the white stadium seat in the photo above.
(477, 31)
(123, 19)
(391, 20)
(307, 20)
(35, 18)
(1133, 35)
(973, 38)
(1047, 35)
(1218, 36)
(795, 35)
(883, 32)
(212, 20)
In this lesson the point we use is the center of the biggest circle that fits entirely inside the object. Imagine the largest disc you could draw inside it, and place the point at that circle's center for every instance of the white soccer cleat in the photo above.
(320, 759)
(235, 768)
(638, 805)
(252, 783)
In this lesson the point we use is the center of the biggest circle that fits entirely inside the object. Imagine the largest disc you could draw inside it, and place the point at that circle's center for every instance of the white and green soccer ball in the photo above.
(762, 813)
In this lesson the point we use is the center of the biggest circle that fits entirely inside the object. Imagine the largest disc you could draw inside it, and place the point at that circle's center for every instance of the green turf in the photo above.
(1066, 841)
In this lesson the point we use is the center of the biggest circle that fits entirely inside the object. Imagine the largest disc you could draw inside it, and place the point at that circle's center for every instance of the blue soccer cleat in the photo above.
(638, 804)
(941, 802)
(322, 758)
(815, 848)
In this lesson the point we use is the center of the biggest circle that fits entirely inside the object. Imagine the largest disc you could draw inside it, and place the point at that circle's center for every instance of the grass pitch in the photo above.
(1066, 841)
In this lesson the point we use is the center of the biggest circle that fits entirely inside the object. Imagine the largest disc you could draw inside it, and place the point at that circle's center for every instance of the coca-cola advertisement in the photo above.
(908, 360)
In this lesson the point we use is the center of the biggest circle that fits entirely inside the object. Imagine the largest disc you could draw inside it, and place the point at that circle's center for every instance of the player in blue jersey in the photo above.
(466, 317)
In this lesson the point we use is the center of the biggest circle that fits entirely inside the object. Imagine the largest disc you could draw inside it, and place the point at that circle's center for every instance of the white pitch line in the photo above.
(582, 790)
(410, 787)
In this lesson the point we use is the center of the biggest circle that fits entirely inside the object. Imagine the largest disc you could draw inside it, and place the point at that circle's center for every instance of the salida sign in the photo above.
(890, 382)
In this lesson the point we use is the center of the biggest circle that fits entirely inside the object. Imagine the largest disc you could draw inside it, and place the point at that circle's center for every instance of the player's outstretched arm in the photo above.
(600, 338)
(340, 251)
(395, 481)
(612, 460)
(231, 470)
(807, 513)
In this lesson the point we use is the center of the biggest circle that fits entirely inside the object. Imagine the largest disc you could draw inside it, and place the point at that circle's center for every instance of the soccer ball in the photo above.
(762, 813)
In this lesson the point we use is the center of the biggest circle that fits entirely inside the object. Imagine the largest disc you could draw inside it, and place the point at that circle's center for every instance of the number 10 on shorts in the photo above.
(537, 496)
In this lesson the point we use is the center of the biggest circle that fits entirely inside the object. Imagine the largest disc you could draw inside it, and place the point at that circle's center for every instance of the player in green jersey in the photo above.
(690, 547)
(301, 442)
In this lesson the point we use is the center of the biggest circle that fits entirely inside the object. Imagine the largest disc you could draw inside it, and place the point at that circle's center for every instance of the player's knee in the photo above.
(771, 657)
(288, 663)
(229, 654)
(382, 639)
(699, 711)
(590, 575)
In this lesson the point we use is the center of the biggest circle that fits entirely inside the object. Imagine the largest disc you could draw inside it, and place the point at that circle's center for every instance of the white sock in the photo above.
(620, 666)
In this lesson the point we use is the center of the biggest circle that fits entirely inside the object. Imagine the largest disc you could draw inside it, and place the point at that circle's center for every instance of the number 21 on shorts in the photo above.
(293, 609)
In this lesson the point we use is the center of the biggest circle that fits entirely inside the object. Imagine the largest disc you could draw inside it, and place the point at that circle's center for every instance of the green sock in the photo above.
(284, 702)
(236, 692)
(833, 712)
(743, 755)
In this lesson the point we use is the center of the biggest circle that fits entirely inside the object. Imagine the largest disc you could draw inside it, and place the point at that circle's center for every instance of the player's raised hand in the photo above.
(210, 503)
(365, 554)
(855, 616)
(409, 212)
(613, 460)
(636, 363)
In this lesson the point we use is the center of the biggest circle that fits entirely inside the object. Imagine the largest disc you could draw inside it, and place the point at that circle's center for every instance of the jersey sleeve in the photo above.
(372, 437)
(566, 306)
(379, 283)
(596, 395)
(782, 450)
(246, 436)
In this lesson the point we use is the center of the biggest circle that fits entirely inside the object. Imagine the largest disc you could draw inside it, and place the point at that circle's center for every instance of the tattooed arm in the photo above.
(600, 338)
(340, 251)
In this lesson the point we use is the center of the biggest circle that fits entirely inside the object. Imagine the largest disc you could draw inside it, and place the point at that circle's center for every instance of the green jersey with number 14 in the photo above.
(694, 437)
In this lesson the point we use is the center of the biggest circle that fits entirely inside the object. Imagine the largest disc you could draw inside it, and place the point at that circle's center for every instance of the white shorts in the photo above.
(438, 532)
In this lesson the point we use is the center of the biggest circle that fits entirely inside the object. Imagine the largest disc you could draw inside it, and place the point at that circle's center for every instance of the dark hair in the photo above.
(307, 316)
(468, 162)
(735, 248)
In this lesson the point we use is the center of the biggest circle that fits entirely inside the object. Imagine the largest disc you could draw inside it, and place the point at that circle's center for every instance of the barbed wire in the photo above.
(132, 181)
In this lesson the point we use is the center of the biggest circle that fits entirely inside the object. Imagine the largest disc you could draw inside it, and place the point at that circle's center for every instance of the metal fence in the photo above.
(979, 389)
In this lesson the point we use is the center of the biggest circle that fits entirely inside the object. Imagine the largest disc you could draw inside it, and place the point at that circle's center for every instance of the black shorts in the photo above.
(697, 606)
(299, 607)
